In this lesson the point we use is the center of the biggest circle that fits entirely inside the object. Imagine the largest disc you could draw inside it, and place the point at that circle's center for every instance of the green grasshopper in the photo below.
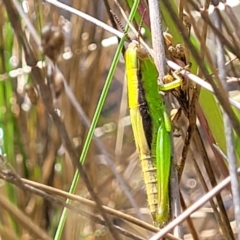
(151, 128)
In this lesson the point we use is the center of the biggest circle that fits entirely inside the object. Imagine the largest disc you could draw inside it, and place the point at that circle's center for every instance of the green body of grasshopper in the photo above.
(151, 128)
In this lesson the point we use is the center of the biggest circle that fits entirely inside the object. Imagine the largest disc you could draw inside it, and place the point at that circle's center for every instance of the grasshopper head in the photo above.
(141, 52)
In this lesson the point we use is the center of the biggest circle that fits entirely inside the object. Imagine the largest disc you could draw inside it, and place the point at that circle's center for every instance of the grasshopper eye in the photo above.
(142, 53)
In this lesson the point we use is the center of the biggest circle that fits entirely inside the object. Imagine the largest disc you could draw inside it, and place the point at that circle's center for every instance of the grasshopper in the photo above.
(151, 128)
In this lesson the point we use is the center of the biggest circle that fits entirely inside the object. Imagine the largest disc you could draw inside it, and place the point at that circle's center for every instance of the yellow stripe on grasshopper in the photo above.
(148, 166)
(151, 127)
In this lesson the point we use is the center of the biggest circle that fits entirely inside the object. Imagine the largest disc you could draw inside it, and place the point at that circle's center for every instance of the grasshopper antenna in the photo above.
(109, 14)
(133, 29)
(140, 26)
(120, 25)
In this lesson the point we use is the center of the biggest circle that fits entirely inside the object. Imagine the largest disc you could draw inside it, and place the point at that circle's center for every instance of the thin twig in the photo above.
(87, 17)
(231, 155)
(191, 227)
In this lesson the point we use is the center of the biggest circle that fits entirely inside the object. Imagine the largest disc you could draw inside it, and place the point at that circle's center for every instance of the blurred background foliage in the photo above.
(31, 147)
